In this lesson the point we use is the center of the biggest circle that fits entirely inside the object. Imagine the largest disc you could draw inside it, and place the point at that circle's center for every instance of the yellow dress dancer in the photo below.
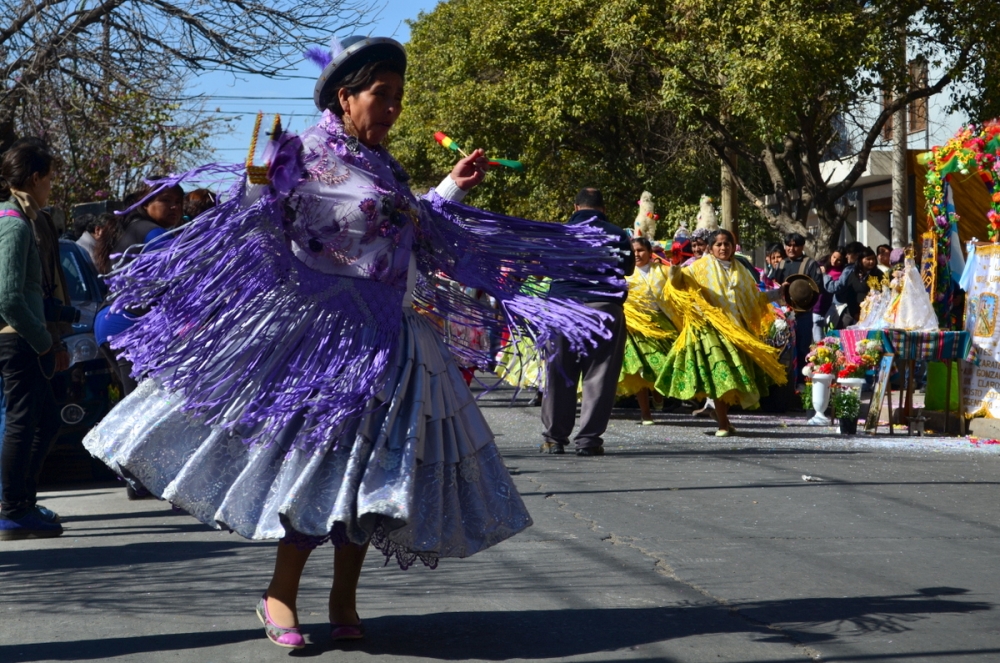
(519, 362)
(651, 325)
(718, 353)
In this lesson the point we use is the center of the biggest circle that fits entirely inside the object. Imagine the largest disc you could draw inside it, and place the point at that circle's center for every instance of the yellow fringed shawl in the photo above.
(646, 298)
(732, 304)
(733, 290)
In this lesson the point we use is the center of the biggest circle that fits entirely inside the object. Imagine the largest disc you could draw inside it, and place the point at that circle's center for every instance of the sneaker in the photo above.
(28, 526)
(48, 515)
(550, 447)
(590, 451)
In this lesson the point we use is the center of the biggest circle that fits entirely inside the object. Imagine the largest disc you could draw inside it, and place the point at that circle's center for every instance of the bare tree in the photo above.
(105, 44)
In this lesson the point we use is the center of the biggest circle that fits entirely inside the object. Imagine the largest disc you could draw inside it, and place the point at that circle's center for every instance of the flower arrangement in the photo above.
(822, 357)
(846, 402)
(778, 333)
(869, 353)
(849, 369)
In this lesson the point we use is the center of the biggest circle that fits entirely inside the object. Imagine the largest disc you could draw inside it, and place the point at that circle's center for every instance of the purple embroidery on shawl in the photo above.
(369, 207)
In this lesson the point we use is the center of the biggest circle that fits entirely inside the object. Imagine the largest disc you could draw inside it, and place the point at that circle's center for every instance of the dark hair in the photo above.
(880, 247)
(25, 157)
(589, 198)
(81, 223)
(360, 80)
(643, 242)
(722, 231)
(116, 223)
(99, 221)
(198, 201)
(795, 239)
(776, 248)
(824, 261)
(868, 253)
(855, 248)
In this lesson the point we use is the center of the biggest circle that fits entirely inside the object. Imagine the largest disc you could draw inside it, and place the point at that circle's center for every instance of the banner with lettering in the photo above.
(982, 380)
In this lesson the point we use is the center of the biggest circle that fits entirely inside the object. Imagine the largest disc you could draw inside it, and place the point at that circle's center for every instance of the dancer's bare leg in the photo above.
(643, 397)
(284, 587)
(722, 414)
(347, 562)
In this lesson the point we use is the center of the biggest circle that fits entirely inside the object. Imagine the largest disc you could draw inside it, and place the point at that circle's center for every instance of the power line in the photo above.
(224, 96)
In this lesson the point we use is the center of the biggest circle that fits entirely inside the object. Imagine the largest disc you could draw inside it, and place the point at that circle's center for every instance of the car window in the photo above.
(76, 281)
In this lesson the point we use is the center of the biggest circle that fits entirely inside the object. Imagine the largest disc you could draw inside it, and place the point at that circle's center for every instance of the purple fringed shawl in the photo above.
(249, 327)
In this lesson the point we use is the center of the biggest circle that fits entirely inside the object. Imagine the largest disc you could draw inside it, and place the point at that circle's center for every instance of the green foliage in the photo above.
(784, 85)
(539, 81)
(846, 402)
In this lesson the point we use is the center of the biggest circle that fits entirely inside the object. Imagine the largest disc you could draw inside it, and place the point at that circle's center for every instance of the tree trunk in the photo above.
(730, 199)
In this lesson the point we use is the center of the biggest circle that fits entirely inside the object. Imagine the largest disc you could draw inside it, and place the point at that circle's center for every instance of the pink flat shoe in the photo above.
(290, 638)
(347, 631)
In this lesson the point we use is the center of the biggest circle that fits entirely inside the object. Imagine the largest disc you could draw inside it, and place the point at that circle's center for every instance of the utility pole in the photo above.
(900, 218)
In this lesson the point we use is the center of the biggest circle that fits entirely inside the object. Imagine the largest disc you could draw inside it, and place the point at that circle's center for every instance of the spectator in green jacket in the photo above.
(26, 171)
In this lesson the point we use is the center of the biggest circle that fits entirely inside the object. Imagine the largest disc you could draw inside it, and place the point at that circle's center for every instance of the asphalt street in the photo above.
(675, 546)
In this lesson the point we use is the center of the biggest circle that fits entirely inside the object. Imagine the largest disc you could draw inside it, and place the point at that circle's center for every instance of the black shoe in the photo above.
(536, 400)
(549, 447)
(590, 451)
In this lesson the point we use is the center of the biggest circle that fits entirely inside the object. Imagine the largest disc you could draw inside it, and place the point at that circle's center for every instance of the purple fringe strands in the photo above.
(256, 342)
(250, 336)
(497, 253)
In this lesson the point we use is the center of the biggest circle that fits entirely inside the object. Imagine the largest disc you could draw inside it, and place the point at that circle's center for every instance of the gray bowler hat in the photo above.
(358, 51)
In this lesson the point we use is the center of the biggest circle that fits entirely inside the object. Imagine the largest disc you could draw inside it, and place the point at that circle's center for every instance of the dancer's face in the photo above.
(642, 254)
(722, 248)
(698, 247)
(374, 110)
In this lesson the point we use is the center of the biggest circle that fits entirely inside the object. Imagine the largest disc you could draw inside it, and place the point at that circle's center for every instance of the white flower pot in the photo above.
(854, 383)
(821, 398)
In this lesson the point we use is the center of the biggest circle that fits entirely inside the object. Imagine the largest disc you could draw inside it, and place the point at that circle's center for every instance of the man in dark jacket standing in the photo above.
(601, 365)
(807, 325)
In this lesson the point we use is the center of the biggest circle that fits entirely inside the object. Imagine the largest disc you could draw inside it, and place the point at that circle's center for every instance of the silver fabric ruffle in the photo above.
(419, 474)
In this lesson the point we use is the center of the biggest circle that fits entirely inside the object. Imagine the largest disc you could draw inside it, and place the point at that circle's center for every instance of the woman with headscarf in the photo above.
(718, 353)
(293, 392)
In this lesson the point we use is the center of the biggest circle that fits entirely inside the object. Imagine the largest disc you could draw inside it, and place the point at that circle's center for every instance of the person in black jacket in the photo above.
(601, 365)
(851, 288)
(807, 326)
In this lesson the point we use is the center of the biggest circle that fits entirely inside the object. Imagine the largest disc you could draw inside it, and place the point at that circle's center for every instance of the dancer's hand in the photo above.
(471, 170)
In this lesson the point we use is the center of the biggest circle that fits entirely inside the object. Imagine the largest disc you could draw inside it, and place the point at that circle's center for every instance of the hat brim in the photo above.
(801, 305)
(354, 57)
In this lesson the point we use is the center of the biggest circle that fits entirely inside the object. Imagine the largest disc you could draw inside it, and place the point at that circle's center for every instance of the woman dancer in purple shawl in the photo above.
(292, 392)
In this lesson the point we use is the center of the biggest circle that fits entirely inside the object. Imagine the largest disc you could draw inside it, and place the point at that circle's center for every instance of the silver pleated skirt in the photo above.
(419, 475)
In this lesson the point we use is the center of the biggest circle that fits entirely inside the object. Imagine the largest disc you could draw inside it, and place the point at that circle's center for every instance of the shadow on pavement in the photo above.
(539, 634)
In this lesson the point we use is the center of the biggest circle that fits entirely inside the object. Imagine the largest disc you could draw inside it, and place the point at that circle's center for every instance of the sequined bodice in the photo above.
(353, 213)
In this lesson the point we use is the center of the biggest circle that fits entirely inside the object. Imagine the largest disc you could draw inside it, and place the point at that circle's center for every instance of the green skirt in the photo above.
(521, 365)
(705, 364)
(645, 358)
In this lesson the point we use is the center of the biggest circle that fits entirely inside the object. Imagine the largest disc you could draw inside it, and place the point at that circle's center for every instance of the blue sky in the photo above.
(291, 98)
